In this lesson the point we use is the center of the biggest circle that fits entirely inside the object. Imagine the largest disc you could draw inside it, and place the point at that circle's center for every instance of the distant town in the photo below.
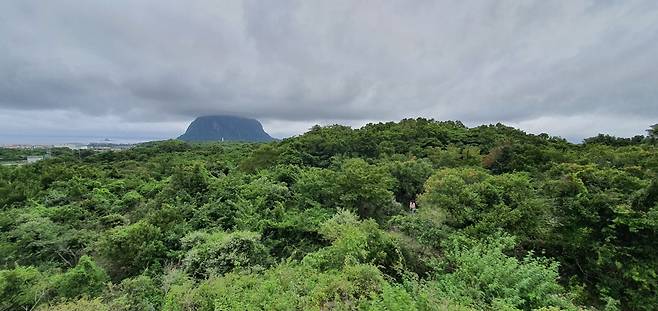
(38, 152)
(72, 146)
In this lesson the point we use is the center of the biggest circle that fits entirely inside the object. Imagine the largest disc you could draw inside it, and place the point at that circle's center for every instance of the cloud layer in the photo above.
(145, 68)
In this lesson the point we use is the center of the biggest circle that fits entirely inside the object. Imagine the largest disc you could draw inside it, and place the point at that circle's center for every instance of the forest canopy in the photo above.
(504, 220)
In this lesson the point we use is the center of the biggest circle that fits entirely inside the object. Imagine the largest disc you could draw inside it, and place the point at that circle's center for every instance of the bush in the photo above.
(128, 250)
(219, 253)
(355, 241)
(23, 288)
(140, 293)
(481, 204)
(86, 278)
(285, 287)
(82, 304)
(480, 275)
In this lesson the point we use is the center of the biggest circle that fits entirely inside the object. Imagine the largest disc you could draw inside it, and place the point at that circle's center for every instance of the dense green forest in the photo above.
(505, 221)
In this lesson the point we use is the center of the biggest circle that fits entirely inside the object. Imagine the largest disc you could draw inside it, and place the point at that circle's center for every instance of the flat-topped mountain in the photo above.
(225, 128)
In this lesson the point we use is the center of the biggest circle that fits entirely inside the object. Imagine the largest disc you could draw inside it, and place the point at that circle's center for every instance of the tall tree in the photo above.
(652, 131)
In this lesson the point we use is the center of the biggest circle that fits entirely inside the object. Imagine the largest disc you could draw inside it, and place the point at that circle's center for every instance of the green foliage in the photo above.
(479, 203)
(263, 157)
(86, 278)
(128, 250)
(192, 178)
(615, 141)
(453, 156)
(22, 288)
(483, 277)
(391, 298)
(410, 176)
(354, 241)
(506, 221)
(652, 131)
(366, 189)
(296, 233)
(427, 226)
(316, 187)
(220, 252)
(136, 294)
(285, 287)
(82, 304)
(32, 238)
(607, 231)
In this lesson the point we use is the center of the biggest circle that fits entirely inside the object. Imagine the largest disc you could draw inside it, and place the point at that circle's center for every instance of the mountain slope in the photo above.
(225, 128)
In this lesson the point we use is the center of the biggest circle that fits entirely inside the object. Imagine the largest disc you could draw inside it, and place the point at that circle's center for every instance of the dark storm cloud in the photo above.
(541, 65)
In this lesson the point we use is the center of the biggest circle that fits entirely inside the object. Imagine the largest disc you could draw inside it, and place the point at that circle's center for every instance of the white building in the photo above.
(34, 159)
(72, 146)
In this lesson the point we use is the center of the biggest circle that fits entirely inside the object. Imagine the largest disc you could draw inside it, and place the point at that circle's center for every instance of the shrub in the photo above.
(86, 278)
(219, 253)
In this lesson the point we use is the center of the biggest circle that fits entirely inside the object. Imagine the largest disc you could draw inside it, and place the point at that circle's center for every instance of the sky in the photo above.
(143, 70)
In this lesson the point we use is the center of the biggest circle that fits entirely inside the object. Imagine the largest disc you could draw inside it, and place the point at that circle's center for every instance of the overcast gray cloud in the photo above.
(144, 69)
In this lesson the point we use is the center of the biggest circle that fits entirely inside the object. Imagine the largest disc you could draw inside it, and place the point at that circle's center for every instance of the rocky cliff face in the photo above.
(225, 128)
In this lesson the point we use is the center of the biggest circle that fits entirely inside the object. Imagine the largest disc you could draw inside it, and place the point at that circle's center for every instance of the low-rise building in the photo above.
(34, 159)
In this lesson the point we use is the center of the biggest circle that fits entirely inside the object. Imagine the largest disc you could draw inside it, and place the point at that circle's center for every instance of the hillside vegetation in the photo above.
(505, 221)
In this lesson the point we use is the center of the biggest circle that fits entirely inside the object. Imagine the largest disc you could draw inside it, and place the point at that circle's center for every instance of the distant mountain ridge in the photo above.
(225, 128)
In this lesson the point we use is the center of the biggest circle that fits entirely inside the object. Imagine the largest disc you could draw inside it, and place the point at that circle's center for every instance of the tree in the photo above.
(37, 240)
(354, 241)
(23, 288)
(652, 132)
(193, 178)
(128, 250)
(366, 189)
(607, 232)
(484, 278)
(410, 176)
(214, 254)
(263, 157)
(140, 293)
(86, 278)
(479, 203)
